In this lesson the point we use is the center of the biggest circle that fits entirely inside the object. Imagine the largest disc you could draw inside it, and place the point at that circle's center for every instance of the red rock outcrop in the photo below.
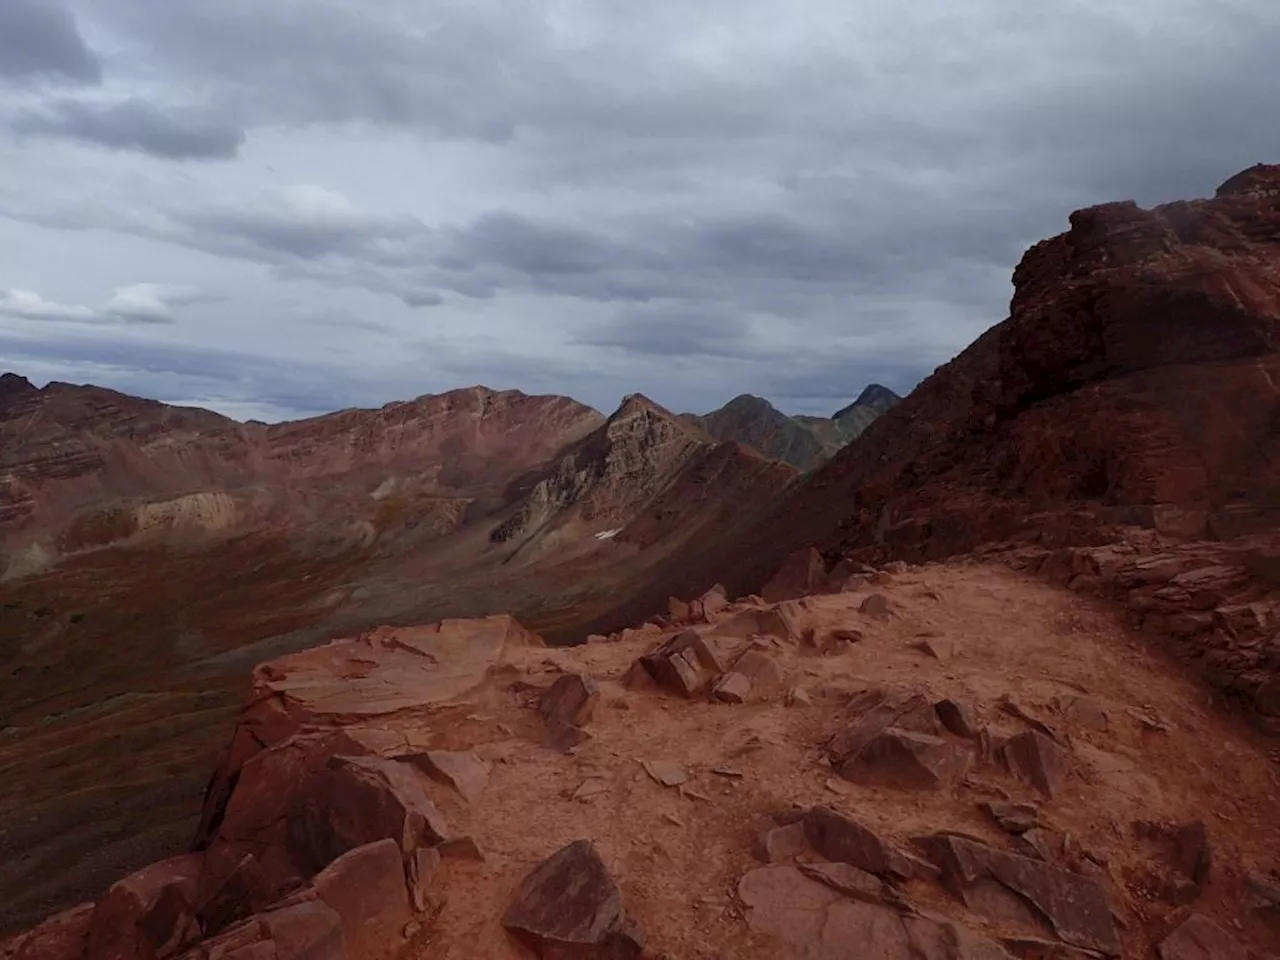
(1134, 387)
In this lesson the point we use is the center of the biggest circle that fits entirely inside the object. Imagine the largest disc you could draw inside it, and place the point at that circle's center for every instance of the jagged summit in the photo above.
(873, 396)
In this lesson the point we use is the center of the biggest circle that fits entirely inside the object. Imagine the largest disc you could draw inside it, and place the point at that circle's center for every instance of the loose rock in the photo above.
(569, 906)
(1033, 757)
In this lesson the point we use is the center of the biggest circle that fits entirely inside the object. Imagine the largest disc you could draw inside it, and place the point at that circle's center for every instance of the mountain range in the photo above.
(1018, 621)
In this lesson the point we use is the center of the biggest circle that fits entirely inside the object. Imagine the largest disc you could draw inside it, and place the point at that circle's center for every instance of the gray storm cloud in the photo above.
(691, 199)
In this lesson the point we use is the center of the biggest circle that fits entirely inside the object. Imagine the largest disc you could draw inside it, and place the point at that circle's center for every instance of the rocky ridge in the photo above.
(950, 762)
(1126, 406)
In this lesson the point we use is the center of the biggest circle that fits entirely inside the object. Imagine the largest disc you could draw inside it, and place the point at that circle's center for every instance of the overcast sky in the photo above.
(281, 207)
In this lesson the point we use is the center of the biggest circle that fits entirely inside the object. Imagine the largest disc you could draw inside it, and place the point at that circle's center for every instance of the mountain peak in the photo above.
(874, 396)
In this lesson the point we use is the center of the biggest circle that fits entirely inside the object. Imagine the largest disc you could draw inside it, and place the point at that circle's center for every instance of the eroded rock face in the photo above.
(569, 906)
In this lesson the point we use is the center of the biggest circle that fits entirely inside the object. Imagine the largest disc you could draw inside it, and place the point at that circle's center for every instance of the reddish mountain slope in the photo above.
(80, 465)
(1135, 382)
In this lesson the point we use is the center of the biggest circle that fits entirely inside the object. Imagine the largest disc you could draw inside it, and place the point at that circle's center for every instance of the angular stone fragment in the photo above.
(422, 866)
(460, 769)
(958, 717)
(874, 711)
(901, 758)
(570, 907)
(732, 688)
(150, 914)
(684, 664)
(1075, 907)
(1016, 818)
(753, 671)
(713, 601)
(1199, 938)
(567, 707)
(366, 888)
(1033, 757)
(843, 839)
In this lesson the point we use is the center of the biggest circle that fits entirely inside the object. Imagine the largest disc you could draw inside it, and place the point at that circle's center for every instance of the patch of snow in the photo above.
(608, 534)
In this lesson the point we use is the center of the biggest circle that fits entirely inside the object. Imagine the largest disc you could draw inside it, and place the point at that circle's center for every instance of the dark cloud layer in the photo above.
(693, 198)
(39, 40)
(176, 134)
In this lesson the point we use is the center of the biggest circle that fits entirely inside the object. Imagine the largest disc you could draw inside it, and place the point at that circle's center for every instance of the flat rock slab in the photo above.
(1199, 938)
(391, 669)
(1075, 907)
(842, 839)
(460, 769)
(666, 772)
(569, 906)
(813, 921)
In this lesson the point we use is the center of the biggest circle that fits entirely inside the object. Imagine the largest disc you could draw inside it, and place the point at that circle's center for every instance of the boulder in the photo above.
(1075, 908)
(1033, 757)
(570, 907)
(907, 760)
(684, 664)
(366, 889)
(1199, 938)
(358, 800)
(150, 914)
